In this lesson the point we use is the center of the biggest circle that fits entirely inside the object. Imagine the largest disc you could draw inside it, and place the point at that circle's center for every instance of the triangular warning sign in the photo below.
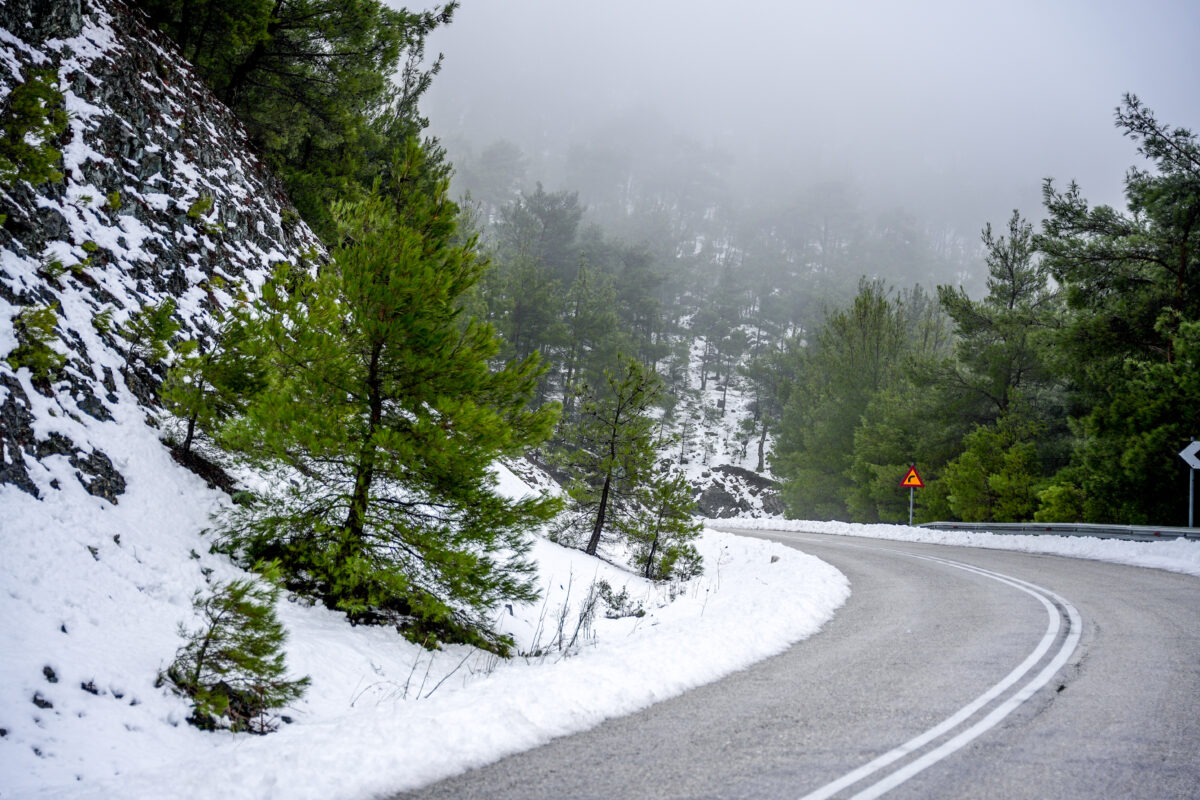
(912, 480)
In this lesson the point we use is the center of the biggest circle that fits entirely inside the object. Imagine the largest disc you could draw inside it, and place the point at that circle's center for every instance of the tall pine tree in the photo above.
(384, 418)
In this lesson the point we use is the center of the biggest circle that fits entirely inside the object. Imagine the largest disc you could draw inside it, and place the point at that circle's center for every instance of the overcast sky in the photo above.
(949, 107)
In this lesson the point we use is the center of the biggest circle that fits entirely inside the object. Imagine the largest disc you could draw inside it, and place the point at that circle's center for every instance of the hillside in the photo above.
(103, 536)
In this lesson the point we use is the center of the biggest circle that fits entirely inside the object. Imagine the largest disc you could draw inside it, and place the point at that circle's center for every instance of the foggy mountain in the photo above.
(951, 113)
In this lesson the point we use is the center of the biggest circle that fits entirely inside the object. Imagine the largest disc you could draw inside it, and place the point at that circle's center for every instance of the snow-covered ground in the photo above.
(1175, 555)
(92, 596)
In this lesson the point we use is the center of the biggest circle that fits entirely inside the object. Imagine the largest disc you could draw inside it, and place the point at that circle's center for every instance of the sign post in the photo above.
(913, 481)
(1188, 454)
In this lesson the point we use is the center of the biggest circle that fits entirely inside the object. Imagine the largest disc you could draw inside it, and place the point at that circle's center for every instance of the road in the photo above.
(1051, 678)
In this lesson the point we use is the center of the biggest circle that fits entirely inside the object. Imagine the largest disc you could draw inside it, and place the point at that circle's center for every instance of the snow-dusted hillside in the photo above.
(102, 533)
(161, 198)
(718, 453)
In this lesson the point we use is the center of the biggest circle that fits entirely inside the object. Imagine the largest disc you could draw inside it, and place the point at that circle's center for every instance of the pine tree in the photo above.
(1132, 284)
(209, 385)
(233, 666)
(31, 119)
(34, 329)
(325, 88)
(663, 536)
(612, 446)
(149, 331)
(857, 353)
(384, 414)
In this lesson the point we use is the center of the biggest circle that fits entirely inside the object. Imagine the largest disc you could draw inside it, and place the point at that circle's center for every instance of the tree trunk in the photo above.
(650, 558)
(243, 70)
(594, 542)
(191, 430)
(762, 441)
(364, 471)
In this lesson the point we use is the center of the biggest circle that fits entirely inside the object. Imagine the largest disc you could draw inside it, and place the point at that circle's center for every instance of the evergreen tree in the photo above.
(233, 666)
(1000, 350)
(663, 536)
(209, 385)
(997, 476)
(149, 331)
(542, 228)
(1000, 386)
(32, 117)
(591, 331)
(33, 327)
(612, 447)
(1132, 283)
(857, 353)
(325, 88)
(766, 375)
(382, 409)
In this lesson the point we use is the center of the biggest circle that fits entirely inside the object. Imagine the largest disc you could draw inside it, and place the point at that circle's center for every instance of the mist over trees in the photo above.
(1031, 373)
(1069, 389)
(988, 370)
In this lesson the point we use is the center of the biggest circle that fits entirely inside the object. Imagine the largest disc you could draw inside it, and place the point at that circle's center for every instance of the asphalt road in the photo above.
(1052, 678)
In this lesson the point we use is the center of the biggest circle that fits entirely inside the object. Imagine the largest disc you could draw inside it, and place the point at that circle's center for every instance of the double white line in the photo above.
(1055, 616)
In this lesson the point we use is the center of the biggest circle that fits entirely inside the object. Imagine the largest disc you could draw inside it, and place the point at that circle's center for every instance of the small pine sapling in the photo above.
(148, 331)
(52, 269)
(31, 119)
(34, 327)
(102, 320)
(663, 538)
(233, 667)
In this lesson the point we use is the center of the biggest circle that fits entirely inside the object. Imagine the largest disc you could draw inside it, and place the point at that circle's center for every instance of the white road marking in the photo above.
(994, 717)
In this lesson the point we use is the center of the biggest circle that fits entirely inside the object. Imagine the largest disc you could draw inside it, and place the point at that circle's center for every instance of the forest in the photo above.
(1046, 371)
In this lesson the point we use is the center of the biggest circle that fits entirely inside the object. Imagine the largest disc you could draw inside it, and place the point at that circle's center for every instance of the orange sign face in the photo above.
(912, 480)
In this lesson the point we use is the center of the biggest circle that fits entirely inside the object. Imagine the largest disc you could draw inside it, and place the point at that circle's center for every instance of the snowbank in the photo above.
(1174, 555)
(92, 595)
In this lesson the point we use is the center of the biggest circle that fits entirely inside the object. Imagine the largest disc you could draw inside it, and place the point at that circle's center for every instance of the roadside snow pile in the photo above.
(94, 593)
(1174, 555)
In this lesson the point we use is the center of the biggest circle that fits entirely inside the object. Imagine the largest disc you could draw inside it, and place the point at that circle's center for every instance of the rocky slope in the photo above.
(160, 198)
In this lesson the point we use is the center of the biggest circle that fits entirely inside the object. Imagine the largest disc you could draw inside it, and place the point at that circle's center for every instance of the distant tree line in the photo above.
(1064, 394)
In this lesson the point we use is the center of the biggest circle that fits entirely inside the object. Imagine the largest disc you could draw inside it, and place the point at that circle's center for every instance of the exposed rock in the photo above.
(38, 20)
(748, 477)
(716, 502)
(731, 491)
(16, 435)
(145, 142)
(106, 481)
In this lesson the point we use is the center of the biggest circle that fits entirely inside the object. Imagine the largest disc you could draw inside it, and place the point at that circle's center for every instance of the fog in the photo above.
(950, 110)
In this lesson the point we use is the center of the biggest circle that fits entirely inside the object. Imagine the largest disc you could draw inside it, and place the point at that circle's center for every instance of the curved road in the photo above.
(949, 673)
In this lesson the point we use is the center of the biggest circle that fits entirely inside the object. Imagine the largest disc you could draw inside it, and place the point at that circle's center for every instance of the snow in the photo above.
(97, 592)
(1174, 555)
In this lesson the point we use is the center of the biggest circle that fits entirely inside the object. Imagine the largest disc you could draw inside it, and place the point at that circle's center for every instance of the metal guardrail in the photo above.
(1140, 533)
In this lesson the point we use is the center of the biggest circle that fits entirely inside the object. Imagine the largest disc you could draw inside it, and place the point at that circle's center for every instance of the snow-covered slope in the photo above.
(161, 198)
(102, 534)
(719, 446)
(93, 595)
